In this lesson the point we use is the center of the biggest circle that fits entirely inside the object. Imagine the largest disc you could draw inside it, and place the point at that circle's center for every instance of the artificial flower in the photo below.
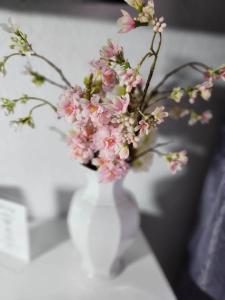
(126, 22)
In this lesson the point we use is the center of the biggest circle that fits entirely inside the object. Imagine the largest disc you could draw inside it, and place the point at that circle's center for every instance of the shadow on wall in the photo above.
(173, 194)
(63, 198)
(202, 15)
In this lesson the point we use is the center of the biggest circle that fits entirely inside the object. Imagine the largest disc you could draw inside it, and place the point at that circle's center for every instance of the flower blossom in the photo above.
(119, 105)
(96, 112)
(204, 117)
(80, 147)
(126, 22)
(143, 128)
(137, 4)
(159, 25)
(69, 103)
(130, 78)
(176, 160)
(192, 96)
(147, 13)
(177, 94)
(216, 74)
(9, 27)
(205, 89)
(98, 64)
(109, 78)
(111, 50)
(159, 114)
(113, 170)
(222, 72)
(107, 138)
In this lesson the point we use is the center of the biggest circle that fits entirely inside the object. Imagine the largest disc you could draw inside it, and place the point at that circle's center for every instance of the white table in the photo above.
(56, 275)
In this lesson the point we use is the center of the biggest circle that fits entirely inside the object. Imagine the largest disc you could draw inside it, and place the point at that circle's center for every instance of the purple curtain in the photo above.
(205, 278)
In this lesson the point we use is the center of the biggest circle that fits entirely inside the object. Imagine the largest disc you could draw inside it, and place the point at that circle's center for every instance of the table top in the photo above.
(56, 274)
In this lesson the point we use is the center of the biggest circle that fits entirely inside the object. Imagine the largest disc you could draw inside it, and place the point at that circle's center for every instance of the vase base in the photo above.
(104, 275)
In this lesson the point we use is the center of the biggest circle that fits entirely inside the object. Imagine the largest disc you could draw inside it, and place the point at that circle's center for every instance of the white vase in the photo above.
(103, 221)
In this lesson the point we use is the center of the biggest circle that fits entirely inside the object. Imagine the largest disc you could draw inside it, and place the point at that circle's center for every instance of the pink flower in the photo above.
(99, 138)
(80, 147)
(93, 106)
(69, 103)
(106, 138)
(97, 112)
(67, 108)
(192, 96)
(108, 78)
(205, 89)
(108, 141)
(82, 154)
(143, 128)
(126, 22)
(176, 160)
(123, 151)
(130, 78)
(111, 50)
(206, 116)
(222, 72)
(113, 170)
(98, 64)
(159, 114)
(119, 105)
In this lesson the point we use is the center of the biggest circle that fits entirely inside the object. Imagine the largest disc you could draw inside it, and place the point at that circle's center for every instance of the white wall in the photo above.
(35, 165)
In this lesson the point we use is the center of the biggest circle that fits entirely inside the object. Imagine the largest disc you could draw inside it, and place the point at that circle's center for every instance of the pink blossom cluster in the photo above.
(204, 90)
(203, 118)
(104, 125)
(216, 74)
(145, 16)
(176, 160)
(99, 132)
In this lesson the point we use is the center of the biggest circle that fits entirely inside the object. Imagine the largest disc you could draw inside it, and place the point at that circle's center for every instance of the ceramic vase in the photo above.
(103, 221)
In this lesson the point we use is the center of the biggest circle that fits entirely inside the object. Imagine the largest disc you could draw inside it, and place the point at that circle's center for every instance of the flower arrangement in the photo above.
(115, 115)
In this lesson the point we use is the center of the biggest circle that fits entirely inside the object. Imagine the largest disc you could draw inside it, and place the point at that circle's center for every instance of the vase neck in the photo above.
(101, 192)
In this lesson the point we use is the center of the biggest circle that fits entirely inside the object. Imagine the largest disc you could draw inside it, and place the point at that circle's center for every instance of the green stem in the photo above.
(46, 102)
(50, 63)
(6, 58)
(35, 107)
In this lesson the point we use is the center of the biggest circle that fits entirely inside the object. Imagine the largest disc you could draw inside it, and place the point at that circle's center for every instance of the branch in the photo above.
(39, 79)
(152, 149)
(152, 69)
(46, 102)
(35, 107)
(193, 65)
(55, 83)
(58, 70)
(148, 54)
